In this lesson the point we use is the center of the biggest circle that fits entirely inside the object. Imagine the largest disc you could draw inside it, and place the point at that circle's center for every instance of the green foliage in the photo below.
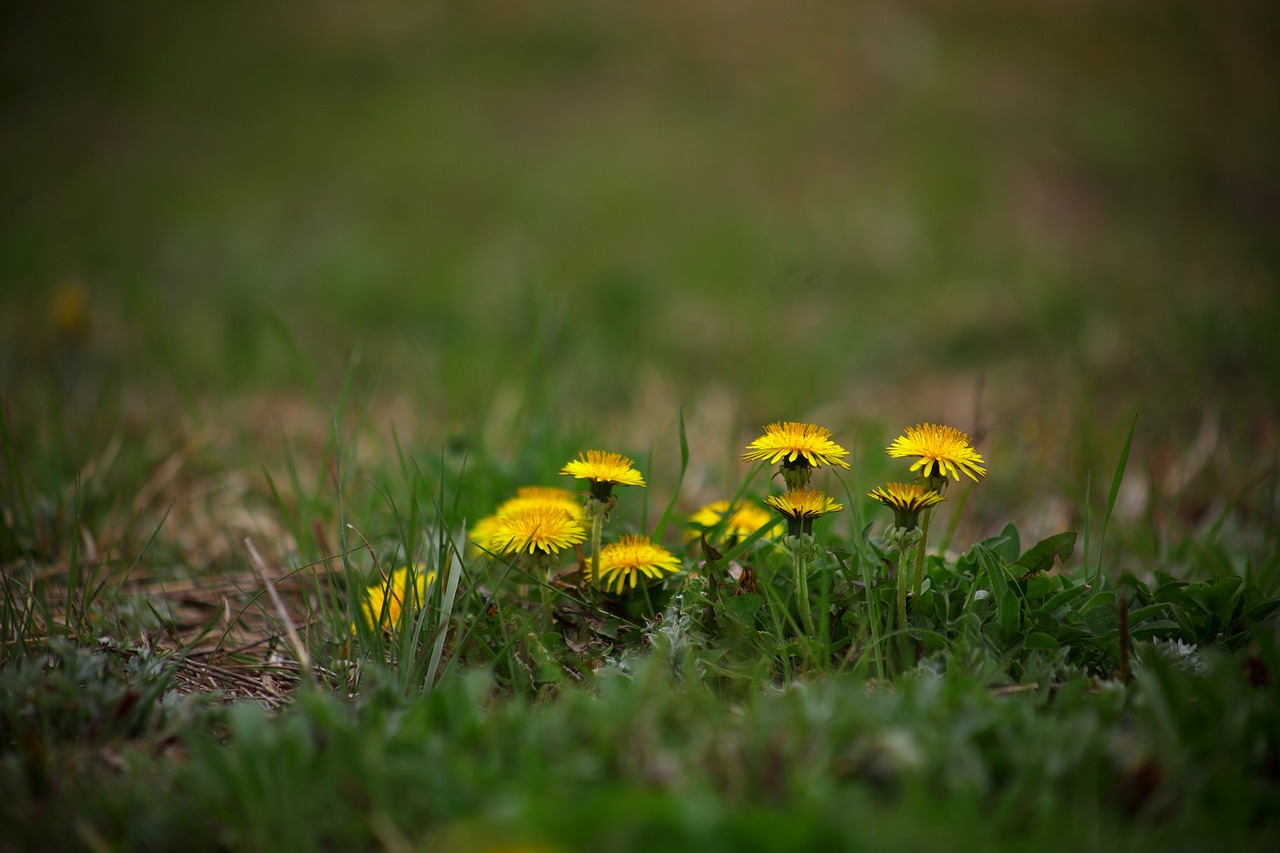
(649, 756)
(1026, 700)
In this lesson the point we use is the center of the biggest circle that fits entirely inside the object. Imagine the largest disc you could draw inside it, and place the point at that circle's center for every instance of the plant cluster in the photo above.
(547, 591)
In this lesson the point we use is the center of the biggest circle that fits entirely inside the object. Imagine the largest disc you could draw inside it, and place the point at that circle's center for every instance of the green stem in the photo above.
(902, 590)
(546, 604)
(802, 592)
(924, 539)
(597, 525)
(904, 640)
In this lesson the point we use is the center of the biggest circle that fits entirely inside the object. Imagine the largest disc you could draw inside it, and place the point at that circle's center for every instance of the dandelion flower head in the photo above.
(943, 451)
(386, 602)
(907, 500)
(482, 532)
(538, 528)
(632, 556)
(548, 495)
(599, 466)
(745, 519)
(803, 503)
(796, 443)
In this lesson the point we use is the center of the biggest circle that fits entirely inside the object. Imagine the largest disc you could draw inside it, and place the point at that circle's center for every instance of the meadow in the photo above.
(297, 300)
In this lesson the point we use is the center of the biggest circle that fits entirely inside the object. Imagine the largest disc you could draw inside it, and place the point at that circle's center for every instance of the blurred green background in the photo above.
(1028, 220)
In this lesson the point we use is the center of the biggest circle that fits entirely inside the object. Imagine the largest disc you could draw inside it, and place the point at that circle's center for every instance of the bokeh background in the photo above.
(491, 221)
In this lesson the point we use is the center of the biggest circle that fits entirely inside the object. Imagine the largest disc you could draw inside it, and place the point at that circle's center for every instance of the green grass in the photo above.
(340, 282)
(1026, 706)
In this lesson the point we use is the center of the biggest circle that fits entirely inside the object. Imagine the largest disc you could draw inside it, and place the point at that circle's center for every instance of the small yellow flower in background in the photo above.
(604, 471)
(907, 500)
(547, 496)
(385, 602)
(745, 519)
(482, 532)
(71, 311)
(632, 556)
(801, 506)
(799, 447)
(942, 450)
(537, 528)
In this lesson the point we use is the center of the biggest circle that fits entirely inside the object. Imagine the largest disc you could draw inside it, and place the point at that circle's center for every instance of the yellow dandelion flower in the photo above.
(803, 503)
(71, 311)
(384, 603)
(942, 450)
(602, 468)
(546, 495)
(528, 530)
(632, 556)
(801, 506)
(745, 519)
(907, 500)
(799, 447)
(482, 532)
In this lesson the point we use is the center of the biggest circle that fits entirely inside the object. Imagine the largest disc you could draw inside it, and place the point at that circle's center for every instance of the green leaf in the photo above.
(1041, 642)
(545, 668)
(714, 572)
(1010, 612)
(1116, 479)
(1098, 598)
(1155, 628)
(1220, 597)
(743, 608)
(1006, 545)
(1141, 614)
(1064, 598)
(1040, 587)
(675, 493)
(1141, 590)
(1261, 609)
(1041, 557)
(1008, 608)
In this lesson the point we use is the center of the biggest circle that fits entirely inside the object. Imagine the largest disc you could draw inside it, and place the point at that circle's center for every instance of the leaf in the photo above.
(1008, 608)
(1005, 545)
(1065, 597)
(545, 668)
(675, 493)
(1116, 478)
(1097, 599)
(1155, 628)
(743, 608)
(713, 559)
(1141, 614)
(1141, 590)
(1040, 558)
(1041, 642)
(1261, 609)
(1010, 613)
(1220, 597)
(1039, 587)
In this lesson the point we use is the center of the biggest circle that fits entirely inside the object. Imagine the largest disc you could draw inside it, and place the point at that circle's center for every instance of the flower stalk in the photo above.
(905, 540)
(918, 580)
(802, 549)
(597, 528)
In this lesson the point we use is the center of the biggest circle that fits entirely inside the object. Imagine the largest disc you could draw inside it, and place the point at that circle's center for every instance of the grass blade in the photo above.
(453, 566)
(1116, 479)
(675, 493)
